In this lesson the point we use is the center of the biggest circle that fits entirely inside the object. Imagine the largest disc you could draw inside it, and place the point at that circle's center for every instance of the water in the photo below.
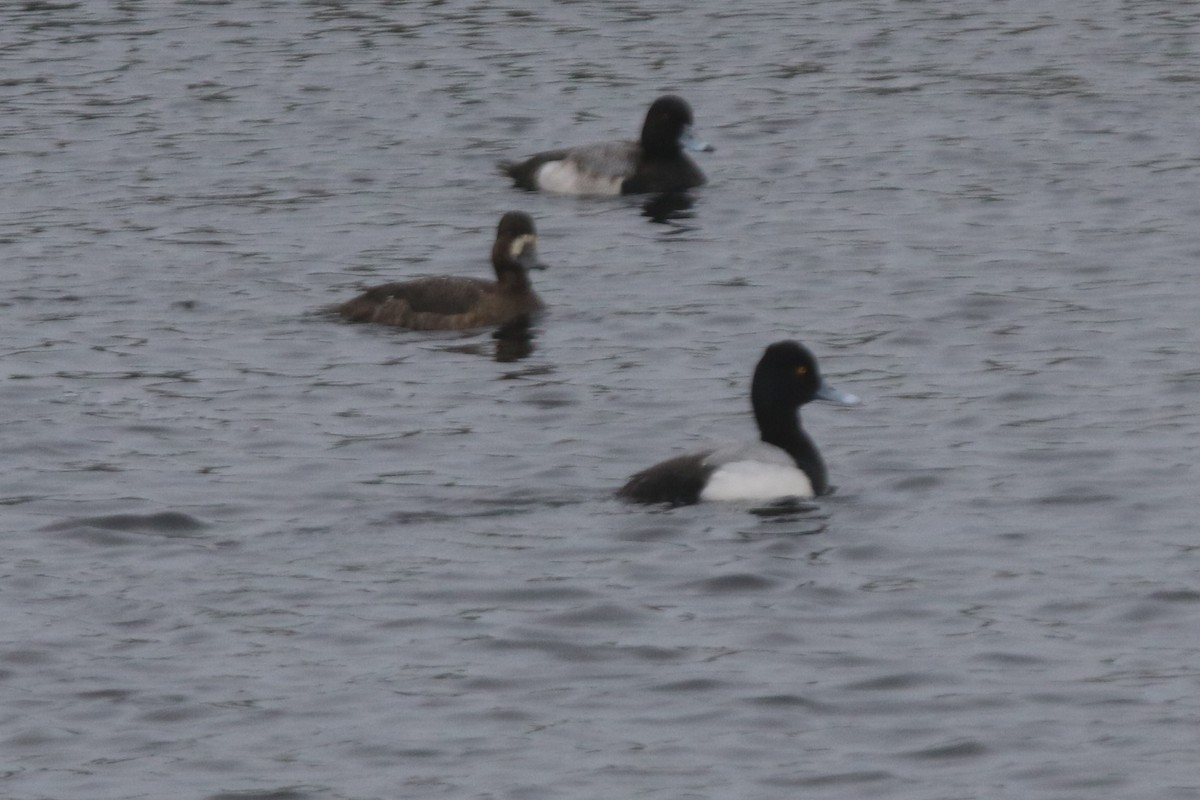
(251, 552)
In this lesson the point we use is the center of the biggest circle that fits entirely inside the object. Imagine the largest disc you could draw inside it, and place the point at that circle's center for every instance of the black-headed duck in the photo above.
(784, 464)
(655, 163)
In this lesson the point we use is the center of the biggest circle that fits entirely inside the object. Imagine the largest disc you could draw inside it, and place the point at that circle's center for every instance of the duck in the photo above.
(456, 303)
(784, 464)
(653, 164)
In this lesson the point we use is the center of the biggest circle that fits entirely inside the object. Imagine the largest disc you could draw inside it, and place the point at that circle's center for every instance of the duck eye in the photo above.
(801, 371)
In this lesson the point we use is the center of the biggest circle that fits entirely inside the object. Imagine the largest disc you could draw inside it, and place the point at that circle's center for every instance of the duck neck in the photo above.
(512, 278)
(658, 143)
(780, 426)
(511, 275)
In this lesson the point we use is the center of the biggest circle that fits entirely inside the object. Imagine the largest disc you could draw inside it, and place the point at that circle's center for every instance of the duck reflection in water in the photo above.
(514, 340)
(669, 207)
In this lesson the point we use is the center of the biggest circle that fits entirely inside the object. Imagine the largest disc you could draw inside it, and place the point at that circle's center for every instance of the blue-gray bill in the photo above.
(829, 394)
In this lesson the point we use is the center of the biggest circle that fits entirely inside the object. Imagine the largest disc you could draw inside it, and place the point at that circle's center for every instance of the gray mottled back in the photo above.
(605, 158)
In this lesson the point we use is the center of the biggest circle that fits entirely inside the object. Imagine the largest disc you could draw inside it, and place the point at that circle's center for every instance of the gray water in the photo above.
(252, 552)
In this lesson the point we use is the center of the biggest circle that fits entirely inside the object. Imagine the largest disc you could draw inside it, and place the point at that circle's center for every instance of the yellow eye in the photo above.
(801, 370)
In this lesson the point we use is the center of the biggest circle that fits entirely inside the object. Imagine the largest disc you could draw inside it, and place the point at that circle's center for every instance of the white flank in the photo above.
(755, 480)
(565, 177)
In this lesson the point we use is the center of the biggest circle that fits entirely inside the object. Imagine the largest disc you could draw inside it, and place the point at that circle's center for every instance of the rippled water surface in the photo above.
(252, 552)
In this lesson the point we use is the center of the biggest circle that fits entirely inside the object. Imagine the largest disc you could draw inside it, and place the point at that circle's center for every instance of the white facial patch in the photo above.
(521, 243)
(755, 480)
(565, 177)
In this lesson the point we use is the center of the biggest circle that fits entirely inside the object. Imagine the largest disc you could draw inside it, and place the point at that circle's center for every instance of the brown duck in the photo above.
(453, 303)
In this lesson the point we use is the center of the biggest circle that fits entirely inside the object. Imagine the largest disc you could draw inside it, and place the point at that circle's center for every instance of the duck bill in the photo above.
(688, 141)
(830, 394)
